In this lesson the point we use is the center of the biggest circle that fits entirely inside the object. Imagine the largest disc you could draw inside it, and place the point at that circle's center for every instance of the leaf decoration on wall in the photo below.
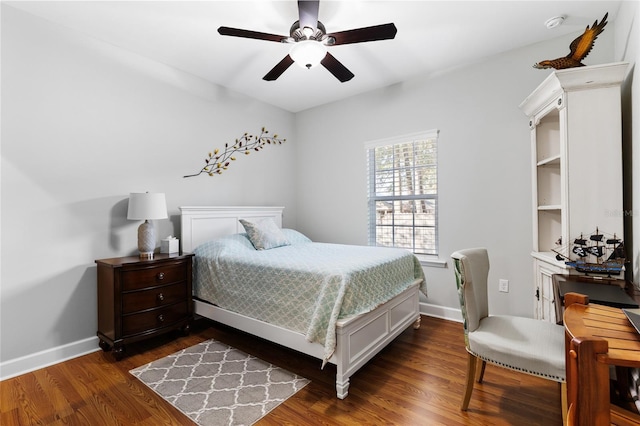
(219, 160)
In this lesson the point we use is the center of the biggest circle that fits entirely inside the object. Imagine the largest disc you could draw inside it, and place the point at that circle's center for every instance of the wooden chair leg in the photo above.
(472, 362)
(563, 399)
(480, 371)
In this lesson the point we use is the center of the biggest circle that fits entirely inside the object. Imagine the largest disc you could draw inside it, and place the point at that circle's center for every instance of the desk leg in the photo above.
(588, 382)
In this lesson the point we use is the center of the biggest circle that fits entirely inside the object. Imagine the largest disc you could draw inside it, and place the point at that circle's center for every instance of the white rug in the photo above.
(215, 384)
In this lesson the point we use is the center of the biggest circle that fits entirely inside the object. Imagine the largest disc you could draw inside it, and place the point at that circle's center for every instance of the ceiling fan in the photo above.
(309, 40)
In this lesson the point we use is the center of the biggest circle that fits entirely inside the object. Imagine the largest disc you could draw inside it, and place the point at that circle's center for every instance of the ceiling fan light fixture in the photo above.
(308, 53)
(309, 40)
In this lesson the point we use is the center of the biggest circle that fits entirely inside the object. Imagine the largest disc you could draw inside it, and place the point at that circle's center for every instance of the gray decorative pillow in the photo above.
(264, 234)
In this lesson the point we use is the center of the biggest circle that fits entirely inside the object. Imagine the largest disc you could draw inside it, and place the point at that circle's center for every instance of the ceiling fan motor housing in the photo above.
(299, 34)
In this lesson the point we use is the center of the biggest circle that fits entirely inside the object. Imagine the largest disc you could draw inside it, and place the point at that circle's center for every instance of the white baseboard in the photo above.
(32, 362)
(443, 312)
(38, 360)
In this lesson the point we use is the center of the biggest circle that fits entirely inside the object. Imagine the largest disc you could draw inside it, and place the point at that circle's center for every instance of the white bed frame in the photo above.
(359, 338)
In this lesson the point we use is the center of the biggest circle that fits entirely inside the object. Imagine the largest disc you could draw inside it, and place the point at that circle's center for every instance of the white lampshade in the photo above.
(146, 206)
(143, 206)
(308, 53)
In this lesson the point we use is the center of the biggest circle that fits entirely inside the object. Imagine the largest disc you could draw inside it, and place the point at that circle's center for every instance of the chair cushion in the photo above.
(524, 344)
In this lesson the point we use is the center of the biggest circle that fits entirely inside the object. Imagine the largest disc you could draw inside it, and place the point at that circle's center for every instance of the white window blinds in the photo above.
(403, 192)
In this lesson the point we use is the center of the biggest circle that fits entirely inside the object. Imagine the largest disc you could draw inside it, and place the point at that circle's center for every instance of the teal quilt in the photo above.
(304, 286)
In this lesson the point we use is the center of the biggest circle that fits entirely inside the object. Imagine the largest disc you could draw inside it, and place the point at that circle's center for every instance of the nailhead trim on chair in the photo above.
(533, 373)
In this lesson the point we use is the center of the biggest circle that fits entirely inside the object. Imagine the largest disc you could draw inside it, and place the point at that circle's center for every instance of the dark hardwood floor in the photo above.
(417, 380)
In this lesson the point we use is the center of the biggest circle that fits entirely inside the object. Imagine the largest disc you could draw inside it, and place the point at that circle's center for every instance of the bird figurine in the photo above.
(580, 48)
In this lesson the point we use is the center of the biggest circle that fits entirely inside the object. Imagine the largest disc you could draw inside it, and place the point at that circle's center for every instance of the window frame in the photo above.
(372, 198)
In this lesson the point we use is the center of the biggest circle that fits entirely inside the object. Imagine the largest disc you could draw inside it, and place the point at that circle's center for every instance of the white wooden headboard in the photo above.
(200, 224)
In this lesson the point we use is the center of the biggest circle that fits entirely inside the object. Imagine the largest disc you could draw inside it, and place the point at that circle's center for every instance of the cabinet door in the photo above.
(545, 308)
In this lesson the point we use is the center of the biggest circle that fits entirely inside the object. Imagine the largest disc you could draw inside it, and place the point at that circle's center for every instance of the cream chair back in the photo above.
(472, 271)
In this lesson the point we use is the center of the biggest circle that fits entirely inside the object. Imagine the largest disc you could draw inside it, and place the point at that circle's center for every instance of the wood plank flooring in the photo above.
(417, 380)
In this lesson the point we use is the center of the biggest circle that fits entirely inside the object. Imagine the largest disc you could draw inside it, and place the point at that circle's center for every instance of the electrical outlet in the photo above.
(503, 286)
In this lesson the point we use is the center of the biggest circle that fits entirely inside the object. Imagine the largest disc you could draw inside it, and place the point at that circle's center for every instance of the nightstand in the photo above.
(141, 298)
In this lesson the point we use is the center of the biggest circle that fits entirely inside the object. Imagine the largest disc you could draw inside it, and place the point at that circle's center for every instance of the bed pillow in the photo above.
(295, 237)
(264, 234)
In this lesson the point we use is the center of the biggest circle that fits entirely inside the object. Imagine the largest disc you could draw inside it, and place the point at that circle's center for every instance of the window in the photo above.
(403, 192)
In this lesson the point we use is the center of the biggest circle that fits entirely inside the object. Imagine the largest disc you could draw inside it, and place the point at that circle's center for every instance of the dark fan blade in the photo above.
(236, 32)
(359, 35)
(338, 70)
(278, 69)
(308, 12)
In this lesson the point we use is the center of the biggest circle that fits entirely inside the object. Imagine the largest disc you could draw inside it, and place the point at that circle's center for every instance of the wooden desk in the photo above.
(596, 338)
(607, 323)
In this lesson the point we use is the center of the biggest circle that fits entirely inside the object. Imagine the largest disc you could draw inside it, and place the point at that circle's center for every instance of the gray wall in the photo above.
(83, 125)
(627, 48)
(484, 169)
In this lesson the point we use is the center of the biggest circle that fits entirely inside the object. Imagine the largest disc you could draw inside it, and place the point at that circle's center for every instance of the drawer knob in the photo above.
(160, 318)
(161, 297)
(160, 276)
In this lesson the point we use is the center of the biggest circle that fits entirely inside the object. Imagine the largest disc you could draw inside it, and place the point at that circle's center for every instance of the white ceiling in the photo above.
(433, 36)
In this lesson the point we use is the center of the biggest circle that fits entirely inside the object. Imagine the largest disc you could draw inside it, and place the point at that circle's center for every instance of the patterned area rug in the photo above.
(215, 384)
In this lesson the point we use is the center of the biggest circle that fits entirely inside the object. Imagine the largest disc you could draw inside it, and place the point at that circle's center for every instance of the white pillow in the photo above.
(264, 234)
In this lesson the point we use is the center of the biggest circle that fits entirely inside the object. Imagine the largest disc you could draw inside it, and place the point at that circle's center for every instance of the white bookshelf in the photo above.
(576, 150)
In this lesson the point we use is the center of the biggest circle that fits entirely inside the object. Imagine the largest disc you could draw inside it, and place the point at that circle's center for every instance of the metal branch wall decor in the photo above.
(217, 161)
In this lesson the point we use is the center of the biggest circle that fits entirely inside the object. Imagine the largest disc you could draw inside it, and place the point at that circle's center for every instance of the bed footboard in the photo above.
(361, 337)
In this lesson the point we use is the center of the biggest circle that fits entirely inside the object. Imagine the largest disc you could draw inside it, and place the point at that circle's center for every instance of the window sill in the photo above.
(431, 261)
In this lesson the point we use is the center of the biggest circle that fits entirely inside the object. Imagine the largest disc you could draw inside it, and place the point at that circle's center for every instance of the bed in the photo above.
(350, 340)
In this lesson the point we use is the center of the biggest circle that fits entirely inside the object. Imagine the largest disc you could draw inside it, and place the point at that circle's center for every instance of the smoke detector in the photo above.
(554, 22)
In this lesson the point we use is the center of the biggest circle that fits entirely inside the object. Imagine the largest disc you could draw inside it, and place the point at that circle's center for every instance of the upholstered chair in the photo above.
(522, 344)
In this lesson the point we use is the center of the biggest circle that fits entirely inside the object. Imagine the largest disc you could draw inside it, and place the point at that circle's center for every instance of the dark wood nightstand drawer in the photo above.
(155, 318)
(154, 297)
(163, 274)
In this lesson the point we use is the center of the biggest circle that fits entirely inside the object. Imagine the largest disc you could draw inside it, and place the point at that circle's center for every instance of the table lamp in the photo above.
(147, 206)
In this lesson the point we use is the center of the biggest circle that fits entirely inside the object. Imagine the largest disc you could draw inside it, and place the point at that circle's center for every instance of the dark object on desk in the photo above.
(602, 294)
(634, 319)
